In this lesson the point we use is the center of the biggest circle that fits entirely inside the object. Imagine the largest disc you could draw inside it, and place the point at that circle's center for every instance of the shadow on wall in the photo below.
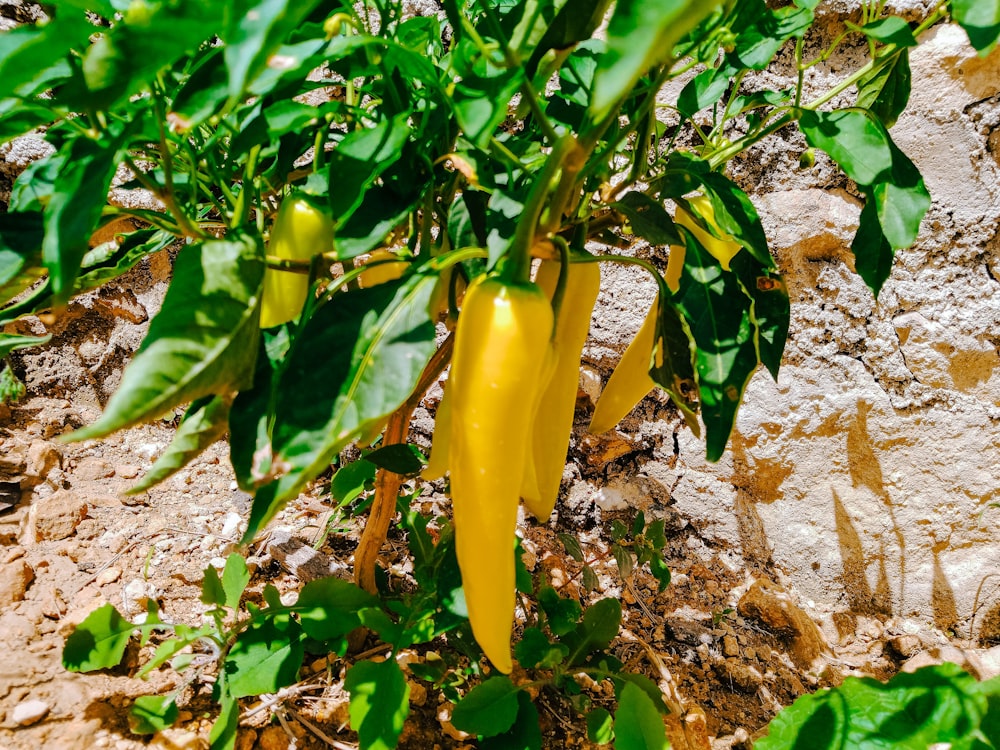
(755, 482)
(866, 472)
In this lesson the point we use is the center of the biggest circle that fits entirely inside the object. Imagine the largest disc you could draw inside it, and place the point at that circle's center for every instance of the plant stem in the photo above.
(387, 483)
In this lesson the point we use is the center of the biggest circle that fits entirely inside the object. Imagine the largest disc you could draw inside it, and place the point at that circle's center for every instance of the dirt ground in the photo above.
(722, 639)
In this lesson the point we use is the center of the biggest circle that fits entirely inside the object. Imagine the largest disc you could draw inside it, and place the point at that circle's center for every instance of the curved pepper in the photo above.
(440, 456)
(501, 340)
(722, 250)
(300, 231)
(630, 382)
(554, 418)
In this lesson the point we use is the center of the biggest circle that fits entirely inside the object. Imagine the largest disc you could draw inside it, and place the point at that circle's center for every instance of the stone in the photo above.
(175, 738)
(730, 646)
(300, 559)
(904, 646)
(93, 469)
(15, 577)
(273, 738)
(742, 676)
(985, 662)
(127, 471)
(29, 712)
(54, 517)
(771, 605)
(42, 458)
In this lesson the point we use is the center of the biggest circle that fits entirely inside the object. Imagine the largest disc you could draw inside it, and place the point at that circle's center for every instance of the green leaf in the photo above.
(857, 143)
(623, 557)
(873, 254)
(590, 581)
(572, 546)
(202, 94)
(574, 22)
(704, 90)
(650, 688)
(524, 734)
(939, 704)
(600, 726)
(641, 34)
(20, 253)
(256, 29)
(28, 52)
(886, 91)
(488, 709)
(202, 342)
(770, 312)
(250, 413)
(211, 588)
(182, 637)
(351, 480)
(890, 30)
(979, 18)
(152, 713)
(235, 577)
(536, 651)
(638, 725)
(205, 422)
(9, 342)
(98, 642)
(355, 361)
(649, 219)
(673, 362)
(360, 158)
(481, 100)
(596, 631)
(328, 608)
(901, 199)
(400, 458)
(79, 194)
(562, 614)
(379, 702)
(757, 45)
(718, 313)
(266, 657)
(223, 734)
(11, 389)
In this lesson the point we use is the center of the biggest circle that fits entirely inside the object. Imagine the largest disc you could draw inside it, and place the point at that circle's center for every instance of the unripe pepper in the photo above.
(554, 418)
(501, 340)
(300, 231)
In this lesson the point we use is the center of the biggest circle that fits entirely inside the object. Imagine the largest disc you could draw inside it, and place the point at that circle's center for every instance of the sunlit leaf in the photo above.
(202, 342)
(379, 702)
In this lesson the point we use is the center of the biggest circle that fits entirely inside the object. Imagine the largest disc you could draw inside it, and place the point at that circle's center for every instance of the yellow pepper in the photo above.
(722, 250)
(300, 231)
(440, 456)
(630, 382)
(385, 266)
(554, 417)
(501, 340)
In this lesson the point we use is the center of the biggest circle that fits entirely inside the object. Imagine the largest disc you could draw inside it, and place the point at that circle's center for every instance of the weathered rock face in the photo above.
(869, 471)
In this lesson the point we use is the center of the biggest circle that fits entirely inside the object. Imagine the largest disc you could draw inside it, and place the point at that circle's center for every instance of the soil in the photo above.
(725, 641)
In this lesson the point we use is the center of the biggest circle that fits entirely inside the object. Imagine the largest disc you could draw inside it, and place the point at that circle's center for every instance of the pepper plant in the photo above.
(355, 175)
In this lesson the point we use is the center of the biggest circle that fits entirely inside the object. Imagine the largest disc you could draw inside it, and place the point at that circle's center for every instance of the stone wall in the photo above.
(869, 472)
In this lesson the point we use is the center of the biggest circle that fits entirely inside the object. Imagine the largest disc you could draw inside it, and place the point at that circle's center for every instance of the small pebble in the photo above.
(108, 575)
(29, 712)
